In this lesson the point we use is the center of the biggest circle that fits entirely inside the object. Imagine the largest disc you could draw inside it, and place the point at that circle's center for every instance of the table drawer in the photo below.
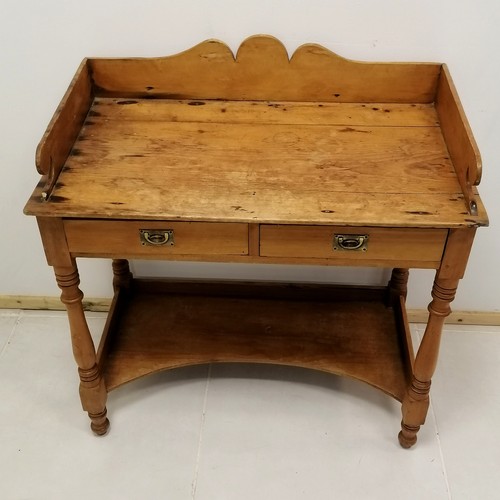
(423, 246)
(155, 238)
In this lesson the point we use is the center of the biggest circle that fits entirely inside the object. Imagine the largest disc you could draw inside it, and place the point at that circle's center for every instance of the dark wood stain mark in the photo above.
(196, 103)
(94, 113)
(128, 101)
(350, 129)
(57, 199)
(328, 211)
(417, 212)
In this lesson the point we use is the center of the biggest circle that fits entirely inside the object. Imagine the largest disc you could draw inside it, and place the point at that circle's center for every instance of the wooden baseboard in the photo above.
(485, 318)
(481, 318)
(49, 303)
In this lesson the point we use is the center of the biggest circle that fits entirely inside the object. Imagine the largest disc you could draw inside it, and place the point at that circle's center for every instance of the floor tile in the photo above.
(241, 431)
(8, 319)
(279, 432)
(48, 451)
(466, 402)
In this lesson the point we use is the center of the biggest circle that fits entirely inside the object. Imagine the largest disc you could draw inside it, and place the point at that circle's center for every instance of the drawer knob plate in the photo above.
(156, 237)
(350, 242)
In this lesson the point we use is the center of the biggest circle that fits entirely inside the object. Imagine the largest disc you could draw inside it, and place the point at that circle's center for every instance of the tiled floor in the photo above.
(239, 431)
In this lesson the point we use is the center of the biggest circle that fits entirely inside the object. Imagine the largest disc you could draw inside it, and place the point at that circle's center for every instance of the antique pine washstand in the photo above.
(258, 158)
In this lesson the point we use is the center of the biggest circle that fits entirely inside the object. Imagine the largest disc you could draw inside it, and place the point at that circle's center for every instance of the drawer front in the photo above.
(155, 238)
(373, 245)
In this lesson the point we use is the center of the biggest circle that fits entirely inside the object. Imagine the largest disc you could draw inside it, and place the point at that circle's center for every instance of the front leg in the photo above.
(416, 402)
(93, 392)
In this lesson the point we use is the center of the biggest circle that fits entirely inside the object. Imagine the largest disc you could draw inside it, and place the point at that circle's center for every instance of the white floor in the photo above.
(242, 432)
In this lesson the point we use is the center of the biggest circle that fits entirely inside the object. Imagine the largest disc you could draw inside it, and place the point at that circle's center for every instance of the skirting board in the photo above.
(49, 303)
(102, 305)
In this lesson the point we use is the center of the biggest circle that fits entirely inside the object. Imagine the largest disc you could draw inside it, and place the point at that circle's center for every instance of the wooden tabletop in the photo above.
(259, 161)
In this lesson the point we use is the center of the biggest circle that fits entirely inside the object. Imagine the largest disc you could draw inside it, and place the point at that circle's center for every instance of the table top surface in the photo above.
(257, 161)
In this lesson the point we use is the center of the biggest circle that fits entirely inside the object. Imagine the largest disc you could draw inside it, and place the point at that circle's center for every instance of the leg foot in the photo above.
(93, 396)
(408, 435)
(414, 411)
(99, 423)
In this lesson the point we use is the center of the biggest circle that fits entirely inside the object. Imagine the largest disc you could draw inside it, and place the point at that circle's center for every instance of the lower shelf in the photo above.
(349, 331)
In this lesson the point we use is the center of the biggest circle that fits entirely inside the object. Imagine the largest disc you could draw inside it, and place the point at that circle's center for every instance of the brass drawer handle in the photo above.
(156, 237)
(350, 242)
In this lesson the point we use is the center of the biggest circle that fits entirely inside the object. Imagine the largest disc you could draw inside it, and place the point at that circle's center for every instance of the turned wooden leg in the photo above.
(398, 285)
(93, 392)
(122, 277)
(416, 402)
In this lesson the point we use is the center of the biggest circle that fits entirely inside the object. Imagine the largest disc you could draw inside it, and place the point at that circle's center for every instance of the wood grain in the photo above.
(419, 245)
(374, 159)
(65, 126)
(190, 238)
(262, 70)
(235, 165)
(54, 241)
(270, 112)
(456, 255)
(459, 139)
(329, 334)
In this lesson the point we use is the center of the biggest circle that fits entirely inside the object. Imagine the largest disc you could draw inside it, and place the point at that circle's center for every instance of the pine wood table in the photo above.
(259, 158)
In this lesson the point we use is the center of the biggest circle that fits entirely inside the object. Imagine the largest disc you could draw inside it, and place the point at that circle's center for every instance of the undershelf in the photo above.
(349, 331)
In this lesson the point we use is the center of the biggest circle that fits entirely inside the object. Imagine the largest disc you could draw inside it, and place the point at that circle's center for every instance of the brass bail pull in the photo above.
(350, 242)
(156, 237)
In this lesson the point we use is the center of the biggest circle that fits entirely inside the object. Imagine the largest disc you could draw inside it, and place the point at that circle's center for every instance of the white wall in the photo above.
(41, 44)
